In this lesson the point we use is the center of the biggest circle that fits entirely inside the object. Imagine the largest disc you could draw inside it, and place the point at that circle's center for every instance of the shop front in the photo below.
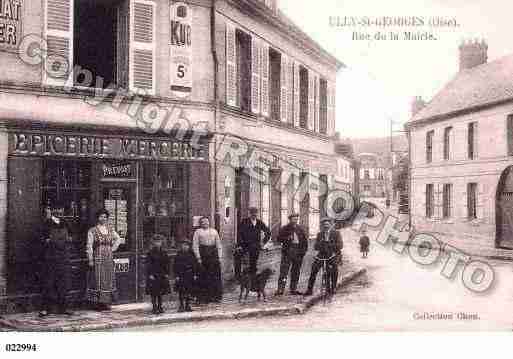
(148, 185)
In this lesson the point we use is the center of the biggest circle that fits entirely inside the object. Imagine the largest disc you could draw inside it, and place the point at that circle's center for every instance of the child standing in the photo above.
(186, 271)
(364, 244)
(157, 268)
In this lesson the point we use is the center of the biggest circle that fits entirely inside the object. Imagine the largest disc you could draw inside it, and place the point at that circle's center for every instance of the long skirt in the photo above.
(101, 286)
(210, 284)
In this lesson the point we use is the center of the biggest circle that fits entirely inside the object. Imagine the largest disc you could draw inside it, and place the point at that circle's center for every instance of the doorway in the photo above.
(504, 210)
(119, 199)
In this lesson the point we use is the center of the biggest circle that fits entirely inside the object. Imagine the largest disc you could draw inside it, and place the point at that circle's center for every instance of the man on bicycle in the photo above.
(328, 245)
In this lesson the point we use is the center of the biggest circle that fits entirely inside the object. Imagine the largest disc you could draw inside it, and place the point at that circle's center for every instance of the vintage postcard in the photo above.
(242, 165)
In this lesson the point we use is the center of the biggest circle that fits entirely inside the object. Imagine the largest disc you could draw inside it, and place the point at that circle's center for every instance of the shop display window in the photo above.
(164, 202)
(69, 183)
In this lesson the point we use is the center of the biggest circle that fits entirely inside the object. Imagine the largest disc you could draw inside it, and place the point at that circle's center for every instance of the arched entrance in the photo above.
(504, 210)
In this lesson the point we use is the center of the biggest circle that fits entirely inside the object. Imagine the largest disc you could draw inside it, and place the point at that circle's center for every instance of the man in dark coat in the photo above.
(328, 245)
(249, 241)
(55, 262)
(294, 247)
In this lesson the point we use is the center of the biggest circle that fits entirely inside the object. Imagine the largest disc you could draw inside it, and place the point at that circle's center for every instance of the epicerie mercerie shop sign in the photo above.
(36, 144)
(10, 24)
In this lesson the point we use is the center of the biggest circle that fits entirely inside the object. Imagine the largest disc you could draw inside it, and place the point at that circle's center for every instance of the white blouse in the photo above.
(206, 237)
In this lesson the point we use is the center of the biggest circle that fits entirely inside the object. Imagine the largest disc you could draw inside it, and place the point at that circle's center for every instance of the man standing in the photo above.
(294, 246)
(56, 237)
(248, 241)
(329, 246)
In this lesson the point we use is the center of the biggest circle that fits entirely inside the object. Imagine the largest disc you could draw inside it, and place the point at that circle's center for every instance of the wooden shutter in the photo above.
(438, 200)
(330, 110)
(264, 76)
(283, 95)
(317, 108)
(290, 92)
(452, 140)
(423, 201)
(142, 46)
(59, 41)
(480, 201)
(231, 66)
(296, 94)
(122, 45)
(311, 101)
(255, 76)
(464, 202)
(476, 140)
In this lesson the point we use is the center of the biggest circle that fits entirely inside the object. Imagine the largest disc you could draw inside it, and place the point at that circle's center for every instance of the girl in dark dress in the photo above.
(364, 244)
(186, 271)
(157, 270)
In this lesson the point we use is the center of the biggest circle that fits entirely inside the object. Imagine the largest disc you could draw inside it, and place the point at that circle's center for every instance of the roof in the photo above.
(470, 89)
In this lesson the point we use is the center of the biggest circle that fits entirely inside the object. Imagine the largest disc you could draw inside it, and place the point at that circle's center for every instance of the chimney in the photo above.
(416, 105)
(473, 53)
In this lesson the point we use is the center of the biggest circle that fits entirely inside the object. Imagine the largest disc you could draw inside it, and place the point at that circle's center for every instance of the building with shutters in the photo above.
(374, 175)
(162, 112)
(461, 148)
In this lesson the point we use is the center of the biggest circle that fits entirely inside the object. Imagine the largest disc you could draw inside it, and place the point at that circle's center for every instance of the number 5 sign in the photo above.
(181, 49)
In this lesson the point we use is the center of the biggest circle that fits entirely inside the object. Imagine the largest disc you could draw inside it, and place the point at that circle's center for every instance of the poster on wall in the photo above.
(10, 24)
(181, 49)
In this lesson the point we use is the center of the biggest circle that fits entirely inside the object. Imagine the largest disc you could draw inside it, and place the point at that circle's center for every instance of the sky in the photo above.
(382, 76)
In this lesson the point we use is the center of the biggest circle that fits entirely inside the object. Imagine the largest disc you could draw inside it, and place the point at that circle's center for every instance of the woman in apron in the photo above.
(101, 242)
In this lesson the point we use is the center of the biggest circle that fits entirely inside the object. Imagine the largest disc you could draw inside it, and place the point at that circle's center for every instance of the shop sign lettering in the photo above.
(10, 24)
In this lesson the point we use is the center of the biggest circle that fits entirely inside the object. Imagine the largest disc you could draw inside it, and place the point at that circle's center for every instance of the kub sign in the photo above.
(181, 49)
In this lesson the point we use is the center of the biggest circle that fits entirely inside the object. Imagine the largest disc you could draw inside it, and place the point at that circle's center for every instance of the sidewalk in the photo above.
(139, 314)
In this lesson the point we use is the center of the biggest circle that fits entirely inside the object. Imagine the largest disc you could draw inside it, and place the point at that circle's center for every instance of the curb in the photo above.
(296, 309)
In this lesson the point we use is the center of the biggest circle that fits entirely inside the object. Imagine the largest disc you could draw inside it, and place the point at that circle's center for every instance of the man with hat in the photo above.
(294, 247)
(249, 241)
(328, 245)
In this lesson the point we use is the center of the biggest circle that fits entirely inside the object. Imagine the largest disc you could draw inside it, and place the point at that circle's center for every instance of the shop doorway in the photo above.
(504, 210)
(119, 198)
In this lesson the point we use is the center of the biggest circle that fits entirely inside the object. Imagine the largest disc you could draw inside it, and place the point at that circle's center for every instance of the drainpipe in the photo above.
(213, 11)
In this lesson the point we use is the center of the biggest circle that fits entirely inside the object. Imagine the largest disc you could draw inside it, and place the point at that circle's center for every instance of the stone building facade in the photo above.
(374, 175)
(461, 148)
(162, 111)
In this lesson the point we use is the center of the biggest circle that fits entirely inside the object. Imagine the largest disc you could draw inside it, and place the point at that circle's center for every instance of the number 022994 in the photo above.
(21, 347)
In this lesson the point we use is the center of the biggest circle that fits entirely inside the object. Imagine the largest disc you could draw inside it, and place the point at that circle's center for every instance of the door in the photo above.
(119, 200)
(504, 210)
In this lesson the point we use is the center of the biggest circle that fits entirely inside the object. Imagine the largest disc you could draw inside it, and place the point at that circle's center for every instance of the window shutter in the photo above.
(464, 203)
(283, 96)
(142, 46)
(264, 75)
(59, 41)
(317, 104)
(480, 202)
(476, 140)
(331, 109)
(438, 201)
(255, 76)
(290, 91)
(311, 100)
(231, 66)
(296, 94)
(423, 200)
(452, 147)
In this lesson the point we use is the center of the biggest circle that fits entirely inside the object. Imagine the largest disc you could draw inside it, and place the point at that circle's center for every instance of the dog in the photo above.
(257, 285)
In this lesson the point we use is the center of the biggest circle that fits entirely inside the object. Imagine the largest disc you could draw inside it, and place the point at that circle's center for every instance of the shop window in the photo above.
(323, 106)
(275, 83)
(164, 202)
(101, 40)
(69, 183)
(303, 100)
(243, 46)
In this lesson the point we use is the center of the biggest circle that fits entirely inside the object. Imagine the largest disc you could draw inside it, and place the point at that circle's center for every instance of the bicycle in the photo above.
(326, 285)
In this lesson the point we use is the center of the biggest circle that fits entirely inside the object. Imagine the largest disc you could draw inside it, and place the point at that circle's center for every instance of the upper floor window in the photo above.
(303, 97)
(472, 140)
(447, 143)
(366, 174)
(429, 146)
(323, 106)
(243, 51)
(275, 84)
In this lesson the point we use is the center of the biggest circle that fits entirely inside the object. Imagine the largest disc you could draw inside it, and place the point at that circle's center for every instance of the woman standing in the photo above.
(207, 248)
(101, 242)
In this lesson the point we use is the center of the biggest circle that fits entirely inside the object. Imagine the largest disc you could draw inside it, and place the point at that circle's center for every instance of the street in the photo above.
(395, 294)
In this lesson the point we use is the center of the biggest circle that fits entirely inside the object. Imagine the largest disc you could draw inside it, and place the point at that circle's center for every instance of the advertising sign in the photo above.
(181, 49)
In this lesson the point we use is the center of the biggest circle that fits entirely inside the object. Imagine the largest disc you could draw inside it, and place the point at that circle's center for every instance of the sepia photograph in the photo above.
(263, 166)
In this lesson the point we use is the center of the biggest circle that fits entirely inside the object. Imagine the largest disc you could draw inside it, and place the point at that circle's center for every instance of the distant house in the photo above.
(461, 154)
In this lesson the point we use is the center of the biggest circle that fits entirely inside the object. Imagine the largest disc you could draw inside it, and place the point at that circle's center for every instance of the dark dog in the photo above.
(256, 285)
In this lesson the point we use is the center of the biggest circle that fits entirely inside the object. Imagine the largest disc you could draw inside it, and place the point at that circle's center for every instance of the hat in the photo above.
(293, 215)
(325, 219)
(253, 210)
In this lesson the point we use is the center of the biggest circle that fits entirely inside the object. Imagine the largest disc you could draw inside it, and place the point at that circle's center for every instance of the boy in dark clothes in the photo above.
(186, 271)
(364, 244)
(157, 283)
